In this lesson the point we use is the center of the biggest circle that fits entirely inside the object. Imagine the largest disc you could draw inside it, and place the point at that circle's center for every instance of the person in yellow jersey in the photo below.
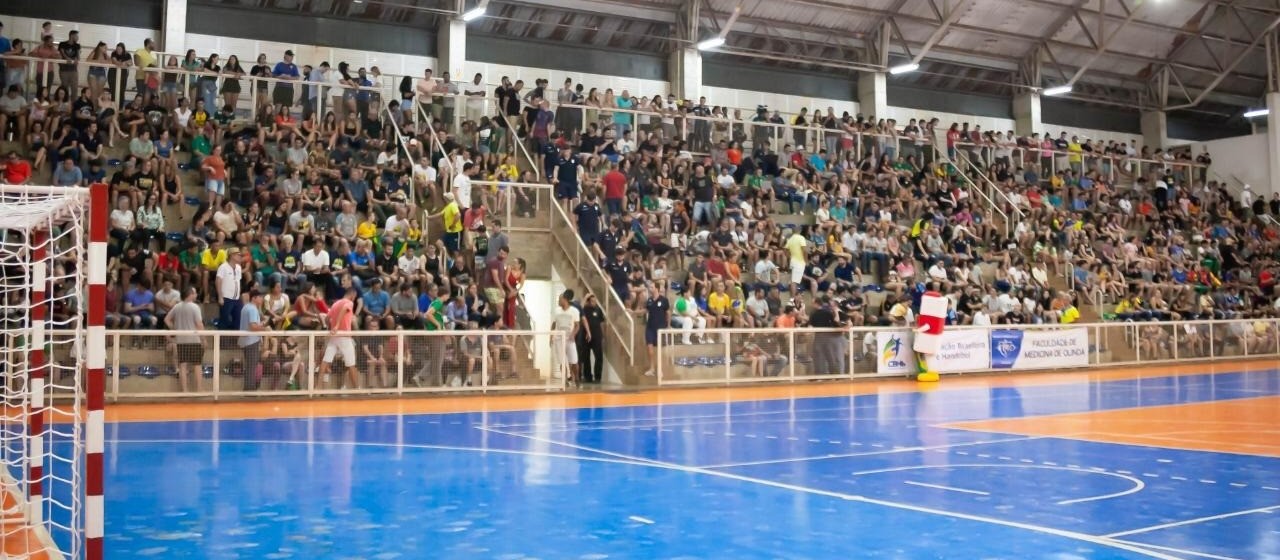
(720, 305)
(796, 245)
(452, 215)
(1076, 154)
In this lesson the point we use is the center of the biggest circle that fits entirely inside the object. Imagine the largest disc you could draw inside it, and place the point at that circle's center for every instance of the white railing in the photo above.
(1109, 167)
(144, 364)
(523, 206)
(732, 356)
(987, 193)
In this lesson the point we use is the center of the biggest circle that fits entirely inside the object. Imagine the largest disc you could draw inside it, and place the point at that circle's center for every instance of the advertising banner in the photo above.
(1039, 349)
(966, 350)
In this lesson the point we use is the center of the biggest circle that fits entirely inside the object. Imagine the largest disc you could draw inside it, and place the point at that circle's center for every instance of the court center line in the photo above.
(947, 488)
(1179, 550)
(866, 453)
(1101, 541)
(1267, 509)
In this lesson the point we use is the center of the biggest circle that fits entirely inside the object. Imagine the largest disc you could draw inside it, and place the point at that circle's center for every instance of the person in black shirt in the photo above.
(565, 176)
(704, 195)
(619, 271)
(588, 214)
(239, 178)
(69, 50)
(591, 338)
(828, 346)
(657, 317)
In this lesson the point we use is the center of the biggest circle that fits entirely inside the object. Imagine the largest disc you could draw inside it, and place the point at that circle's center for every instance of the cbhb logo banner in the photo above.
(893, 353)
(1039, 349)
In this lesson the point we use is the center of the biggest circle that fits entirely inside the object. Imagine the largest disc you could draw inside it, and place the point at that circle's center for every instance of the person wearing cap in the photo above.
(227, 281)
(284, 70)
(251, 344)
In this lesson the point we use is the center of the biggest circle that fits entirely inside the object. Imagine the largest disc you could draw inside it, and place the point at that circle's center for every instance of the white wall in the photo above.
(1239, 160)
(790, 104)
(249, 49)
(28, 30)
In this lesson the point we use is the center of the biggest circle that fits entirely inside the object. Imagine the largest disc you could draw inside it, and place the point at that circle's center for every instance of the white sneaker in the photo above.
(649, 373)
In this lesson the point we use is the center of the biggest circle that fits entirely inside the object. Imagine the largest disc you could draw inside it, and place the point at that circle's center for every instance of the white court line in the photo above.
(947, 488)
(854, 498)
(1180, 551)
(865, 453)
(1138, 485)
(639, 519)
(1267, 509)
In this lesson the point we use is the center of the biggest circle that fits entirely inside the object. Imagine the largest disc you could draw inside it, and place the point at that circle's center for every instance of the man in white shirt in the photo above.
(397, 225)
(462, 186)
(475, 92)
(315, 264)
(227, 280)
(568, 319)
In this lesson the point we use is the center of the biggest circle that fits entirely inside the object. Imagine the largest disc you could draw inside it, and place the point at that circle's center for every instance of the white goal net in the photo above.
(45, 266)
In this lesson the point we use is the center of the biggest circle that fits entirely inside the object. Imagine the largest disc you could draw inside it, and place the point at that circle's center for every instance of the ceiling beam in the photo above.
(1088, 13)
(941, 31)
(1230, 67)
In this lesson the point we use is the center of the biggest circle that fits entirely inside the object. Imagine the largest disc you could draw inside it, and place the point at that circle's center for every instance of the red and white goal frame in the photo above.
(53, 273)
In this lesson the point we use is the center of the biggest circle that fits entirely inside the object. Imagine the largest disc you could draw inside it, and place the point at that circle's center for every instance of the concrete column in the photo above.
(173, 35)
(685, 73)
(1273, 142)
(1155, 129)
(873, 96)
(1026, 114)
(451, 40)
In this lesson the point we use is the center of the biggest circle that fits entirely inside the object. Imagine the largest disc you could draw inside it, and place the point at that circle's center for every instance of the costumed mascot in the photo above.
(929, 324)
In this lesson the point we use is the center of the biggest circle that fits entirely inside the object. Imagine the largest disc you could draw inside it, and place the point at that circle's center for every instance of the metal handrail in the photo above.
(402, 142)
(992, 191)
(942, 157)
(612, 302)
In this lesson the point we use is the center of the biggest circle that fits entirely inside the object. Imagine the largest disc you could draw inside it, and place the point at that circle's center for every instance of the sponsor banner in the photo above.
(961, 350)
(1039, 349)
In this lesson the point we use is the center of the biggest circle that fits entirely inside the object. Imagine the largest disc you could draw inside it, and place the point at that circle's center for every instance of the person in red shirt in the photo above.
(17, 171)
(615, 190)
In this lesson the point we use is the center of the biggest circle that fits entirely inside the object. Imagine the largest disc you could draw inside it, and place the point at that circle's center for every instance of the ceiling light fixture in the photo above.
(904, 68)
(1059, 90)
(1256, 113)
(712, 43)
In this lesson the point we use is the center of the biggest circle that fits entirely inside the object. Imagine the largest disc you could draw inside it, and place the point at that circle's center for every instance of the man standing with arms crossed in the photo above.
(340, 318)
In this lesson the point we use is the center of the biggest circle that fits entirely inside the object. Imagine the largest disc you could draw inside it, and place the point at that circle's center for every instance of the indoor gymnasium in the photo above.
(640, 279)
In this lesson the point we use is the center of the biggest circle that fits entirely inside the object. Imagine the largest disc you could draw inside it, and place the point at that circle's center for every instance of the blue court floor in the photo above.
(867, 476)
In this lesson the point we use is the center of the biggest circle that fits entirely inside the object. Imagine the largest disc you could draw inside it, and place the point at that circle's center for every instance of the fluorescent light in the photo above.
(474, 13)
(904, 68)
(1056, 90)
(1256, 113)
(711, 43)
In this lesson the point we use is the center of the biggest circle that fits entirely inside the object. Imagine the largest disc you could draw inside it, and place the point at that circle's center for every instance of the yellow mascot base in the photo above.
(923, 371)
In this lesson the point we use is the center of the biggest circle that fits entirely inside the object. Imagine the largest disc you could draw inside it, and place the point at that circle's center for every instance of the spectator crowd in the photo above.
(700, 217)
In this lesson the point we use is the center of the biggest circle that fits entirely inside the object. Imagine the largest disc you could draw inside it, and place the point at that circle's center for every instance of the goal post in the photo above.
(53, 272)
